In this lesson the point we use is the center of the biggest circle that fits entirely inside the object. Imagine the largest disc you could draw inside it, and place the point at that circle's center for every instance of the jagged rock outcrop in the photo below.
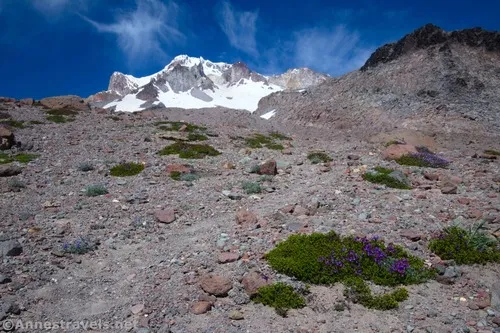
(298, 78)
(430, 35)
(70, 101)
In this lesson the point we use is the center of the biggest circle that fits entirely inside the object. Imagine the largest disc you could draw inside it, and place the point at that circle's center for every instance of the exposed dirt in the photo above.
(149, 272)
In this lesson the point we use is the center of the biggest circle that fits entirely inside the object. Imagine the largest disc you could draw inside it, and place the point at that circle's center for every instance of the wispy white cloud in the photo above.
(54, 8)
(239, 27)
(146, 30)
(335, 50)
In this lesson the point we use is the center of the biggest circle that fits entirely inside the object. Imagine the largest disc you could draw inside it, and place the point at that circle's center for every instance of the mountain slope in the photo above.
(431, 79)
(193, 83)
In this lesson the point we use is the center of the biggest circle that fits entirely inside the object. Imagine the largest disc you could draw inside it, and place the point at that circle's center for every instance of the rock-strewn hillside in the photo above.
(430, 80)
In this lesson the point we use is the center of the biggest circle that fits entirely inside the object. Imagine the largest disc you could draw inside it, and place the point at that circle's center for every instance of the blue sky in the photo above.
(58, 47)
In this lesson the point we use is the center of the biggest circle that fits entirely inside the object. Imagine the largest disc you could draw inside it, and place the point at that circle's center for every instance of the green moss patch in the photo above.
(178, 125)
(62, 112)
(185, 177)
(280, 296)
(383, 176)
(13, 123)
(329, 258)
(189, 150)
(21, 158)
(318, 157)
(59, 119)
(473, 246)
(492, 152)
(126, 169)
(197, 137)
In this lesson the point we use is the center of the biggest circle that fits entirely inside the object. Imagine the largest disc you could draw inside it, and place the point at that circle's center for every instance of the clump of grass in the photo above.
(59, 119)
(80, 245)
(472, 246)
(25, 158)
(275, 146)
(95, 190)
(62, 112)
(318, 157)
(189, 150)
(492, 152)
(5, 158)
(177, 125)
(36, 122)
(13, 123)
(21, 158)
(280, 296)
(423, 158)
(114, 118)
(329, 258)
(197, 137)
(251, 187)
(383, 176)
(126, 169)
(279, 136)
(255, 168)
(85, 167)
(258, 140)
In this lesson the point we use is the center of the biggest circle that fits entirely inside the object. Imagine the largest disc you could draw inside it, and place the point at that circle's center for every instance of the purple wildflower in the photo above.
(400, 266)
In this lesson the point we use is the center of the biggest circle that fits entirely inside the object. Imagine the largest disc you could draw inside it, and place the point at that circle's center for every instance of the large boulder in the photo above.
(393, 152)
(65, 102)
(6, 138)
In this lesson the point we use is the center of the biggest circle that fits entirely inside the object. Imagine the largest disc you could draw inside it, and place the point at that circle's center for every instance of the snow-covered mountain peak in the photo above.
(194, 82)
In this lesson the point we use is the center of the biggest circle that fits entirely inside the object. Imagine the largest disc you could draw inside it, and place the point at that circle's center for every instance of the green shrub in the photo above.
(176, 175)
(36, 122)
(255, 168)
(85, 167)
(275, 146)
(280, 296)
(177, 125)
(328, 258)
(188, 150)
(186, 177)
(492, 152)
(318, 157)
(472, 246)
(251, 187)
(279, 136)
(258, 141)
(197, 137)
(95, 190)
(126, 169)
(59, 119)
(381, 176)
(62, 112)
(265, 178)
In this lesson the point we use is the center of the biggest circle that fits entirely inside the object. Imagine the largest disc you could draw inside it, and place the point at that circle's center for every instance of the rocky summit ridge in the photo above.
(430, 80)
(189, 82)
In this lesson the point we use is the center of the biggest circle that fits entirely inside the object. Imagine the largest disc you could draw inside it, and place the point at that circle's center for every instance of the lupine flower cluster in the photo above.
(368, 258)
(80, 245)
(425, 158)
